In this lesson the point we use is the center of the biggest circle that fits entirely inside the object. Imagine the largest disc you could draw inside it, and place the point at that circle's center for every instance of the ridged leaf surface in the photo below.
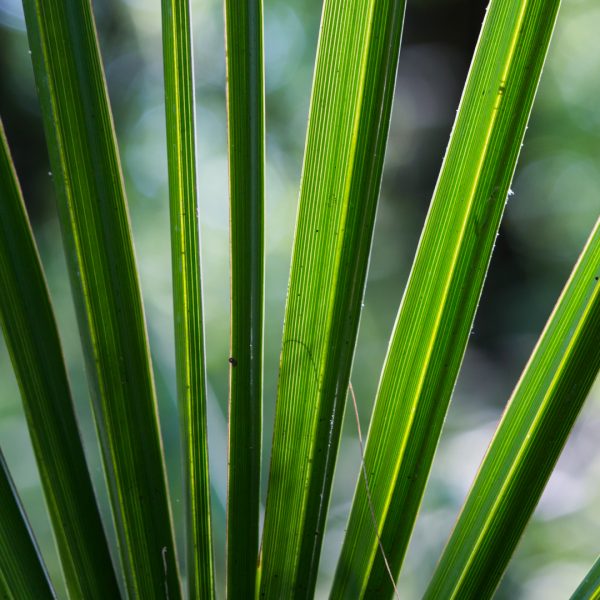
(245, 119)
(528, 441)
(187, 291)
(22, 570)
(436, 314)
(97, 238)
(31, 335)
(348, 125)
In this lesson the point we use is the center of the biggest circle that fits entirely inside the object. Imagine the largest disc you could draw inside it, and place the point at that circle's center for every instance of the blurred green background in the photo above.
(555, 204)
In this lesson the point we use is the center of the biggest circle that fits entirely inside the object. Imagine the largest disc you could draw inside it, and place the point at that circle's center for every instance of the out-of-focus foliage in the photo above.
(554, 206)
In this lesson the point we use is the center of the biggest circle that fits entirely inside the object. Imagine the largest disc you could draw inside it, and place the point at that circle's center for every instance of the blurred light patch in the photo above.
(146, 154)
(11, 14)
(575, 64)
(556, 202)
(284, 41)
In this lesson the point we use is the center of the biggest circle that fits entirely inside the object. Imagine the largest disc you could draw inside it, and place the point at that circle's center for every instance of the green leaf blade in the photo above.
(437, 311)
(187, 290)
(529, 439)
(22, 570)
(348, 126)
(589, 588)
(100, 257)
(31, 334)
(245, 116)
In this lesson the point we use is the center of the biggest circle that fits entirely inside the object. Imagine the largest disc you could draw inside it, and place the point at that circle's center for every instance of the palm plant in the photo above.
(352, 95)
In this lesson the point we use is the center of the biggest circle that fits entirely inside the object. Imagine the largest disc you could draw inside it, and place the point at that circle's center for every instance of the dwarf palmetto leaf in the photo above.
(22, 570)
(187, 291)
(347, 132)
(245, 118)
(528, 441)
(96, 234)
(589, 588)
(29, 327)
(437, 311)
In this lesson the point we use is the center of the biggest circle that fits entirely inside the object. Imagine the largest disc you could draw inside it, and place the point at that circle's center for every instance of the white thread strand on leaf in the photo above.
(368, 490)
(164, 558)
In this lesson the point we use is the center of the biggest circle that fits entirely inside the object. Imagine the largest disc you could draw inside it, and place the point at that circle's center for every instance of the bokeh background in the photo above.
(555, 204)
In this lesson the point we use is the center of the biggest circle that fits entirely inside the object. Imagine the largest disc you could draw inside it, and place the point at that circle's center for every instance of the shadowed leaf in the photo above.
(97, 238)
(29, 327)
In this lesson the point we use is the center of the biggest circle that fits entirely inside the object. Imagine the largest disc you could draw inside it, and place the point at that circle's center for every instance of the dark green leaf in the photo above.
(97, 238)
(30, 330)
(22, 570)
(245, 110)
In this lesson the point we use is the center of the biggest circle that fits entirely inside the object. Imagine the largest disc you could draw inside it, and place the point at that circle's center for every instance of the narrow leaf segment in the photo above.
(589, 588)
(187, 291)
(22, 570)
(97, 238)
(245, 113)
(528, 441)
(436, 313)
(29, 327)
(347, 133)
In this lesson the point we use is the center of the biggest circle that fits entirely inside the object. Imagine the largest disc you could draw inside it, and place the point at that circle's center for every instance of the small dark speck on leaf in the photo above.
(233, 361)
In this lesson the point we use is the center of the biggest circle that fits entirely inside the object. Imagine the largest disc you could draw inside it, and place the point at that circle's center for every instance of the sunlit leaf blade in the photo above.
(245, 116)
(30, 330)
(22, 570)
(187, 292)
(347, 132)
(436, 313)
(528, 441)
(589, 588)
(96, 233)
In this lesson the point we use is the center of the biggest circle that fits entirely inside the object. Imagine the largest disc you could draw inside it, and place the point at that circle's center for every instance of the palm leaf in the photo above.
(529, 439)
(589, 588)
(22, 570)
(436, 313)
(187, 292)
(96, 234)
(245, 111)
(29, 327)
(347, 132)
